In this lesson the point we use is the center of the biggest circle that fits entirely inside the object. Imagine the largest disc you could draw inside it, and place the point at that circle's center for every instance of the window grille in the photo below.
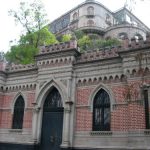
(53, 101)
(18, 113)
(147, 121)
(101, 111)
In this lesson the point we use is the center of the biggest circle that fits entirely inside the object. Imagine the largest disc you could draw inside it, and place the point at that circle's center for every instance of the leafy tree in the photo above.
(66, 37)
(78, 34)
(104, 43)
(90, 42)
(25, 51)
(84, 43)
(32, 17)
(21, 54)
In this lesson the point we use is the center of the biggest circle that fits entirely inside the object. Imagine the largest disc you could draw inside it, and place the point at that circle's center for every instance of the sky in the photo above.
(10, 31)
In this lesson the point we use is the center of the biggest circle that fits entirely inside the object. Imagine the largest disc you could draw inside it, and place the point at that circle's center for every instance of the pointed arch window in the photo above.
(101, 111)
(18, 113)
(53, 101)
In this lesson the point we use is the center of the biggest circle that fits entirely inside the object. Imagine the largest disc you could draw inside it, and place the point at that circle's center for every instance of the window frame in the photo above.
(146, 107)
(90, 11)
(101, 107)
(18, 113)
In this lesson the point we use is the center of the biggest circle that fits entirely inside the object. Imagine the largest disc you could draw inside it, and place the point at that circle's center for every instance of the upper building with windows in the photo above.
(93, 17)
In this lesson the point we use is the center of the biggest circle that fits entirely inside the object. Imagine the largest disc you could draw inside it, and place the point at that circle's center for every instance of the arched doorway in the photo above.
(52, 124)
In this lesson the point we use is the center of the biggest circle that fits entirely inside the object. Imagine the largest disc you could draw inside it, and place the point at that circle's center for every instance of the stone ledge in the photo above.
(16, 130)
(147, 132)
(99, 133)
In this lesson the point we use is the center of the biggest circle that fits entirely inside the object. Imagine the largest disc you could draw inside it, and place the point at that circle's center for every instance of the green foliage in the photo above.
(91, 42)
(41, 37)
(32, 17)
(21, 54)
(78, 34)
(66, 37)
(84, 43)
(27, 47)
(104, 43)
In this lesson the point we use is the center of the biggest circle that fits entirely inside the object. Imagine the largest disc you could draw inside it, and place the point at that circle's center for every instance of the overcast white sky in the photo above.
(55, 8)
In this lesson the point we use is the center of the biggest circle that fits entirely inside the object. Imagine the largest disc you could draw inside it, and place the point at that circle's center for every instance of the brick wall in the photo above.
(84, 119)
(83, 95)
(1, 102)
(28, 112)
(27, 121)
(6, 119)
(83, 114)
(6, 115)
(119, 118)
(126, 114)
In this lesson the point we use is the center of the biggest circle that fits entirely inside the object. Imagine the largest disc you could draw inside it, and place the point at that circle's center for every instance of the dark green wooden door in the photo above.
(51, 131)
(52, 125)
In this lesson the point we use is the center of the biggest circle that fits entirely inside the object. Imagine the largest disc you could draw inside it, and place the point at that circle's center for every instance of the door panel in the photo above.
(51, 137)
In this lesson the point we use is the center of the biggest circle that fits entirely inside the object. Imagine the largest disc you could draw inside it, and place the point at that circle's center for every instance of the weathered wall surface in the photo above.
(78, 77)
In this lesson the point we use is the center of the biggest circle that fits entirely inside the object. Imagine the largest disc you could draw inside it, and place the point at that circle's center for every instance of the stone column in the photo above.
(66, 129)
(35, 122)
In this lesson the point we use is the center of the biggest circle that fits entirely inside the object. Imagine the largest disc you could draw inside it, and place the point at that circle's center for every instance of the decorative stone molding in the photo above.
(112, 52)
(119, 104)
(31, 86)
(98, 54)
(68, 105)
(64, 82)
(1, 89)
(136, 72)
(16, 130)
(105, 79)
(59, 47)
(147, 132)
(56, 61)
(42, 83)
(14, 68)
(101, 133)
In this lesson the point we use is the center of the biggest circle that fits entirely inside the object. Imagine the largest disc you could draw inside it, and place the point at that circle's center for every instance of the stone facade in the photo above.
(93, 17)
(78, 77)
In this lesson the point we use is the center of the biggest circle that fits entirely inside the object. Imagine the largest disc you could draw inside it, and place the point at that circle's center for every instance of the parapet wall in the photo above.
(99, 54)
(111, 52)
(58, 47)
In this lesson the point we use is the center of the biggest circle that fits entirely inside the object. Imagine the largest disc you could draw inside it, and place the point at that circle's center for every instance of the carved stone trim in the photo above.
(101, 133)
(147, 132)
(80, 106)
(16, 130)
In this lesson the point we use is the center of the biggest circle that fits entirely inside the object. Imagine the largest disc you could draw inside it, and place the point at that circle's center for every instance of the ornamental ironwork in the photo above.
(18, 113)
(101, 111)
(53, 101)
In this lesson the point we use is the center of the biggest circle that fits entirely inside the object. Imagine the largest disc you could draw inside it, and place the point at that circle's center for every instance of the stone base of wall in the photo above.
(8, 146)
(108, 149)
